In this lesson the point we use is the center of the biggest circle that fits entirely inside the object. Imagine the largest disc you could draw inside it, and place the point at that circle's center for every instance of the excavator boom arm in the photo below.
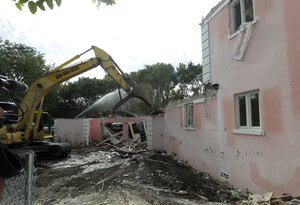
(44, 84)
(111, 67)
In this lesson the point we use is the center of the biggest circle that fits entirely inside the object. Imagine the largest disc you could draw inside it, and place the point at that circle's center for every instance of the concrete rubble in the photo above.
(126, 173)
(270, 199)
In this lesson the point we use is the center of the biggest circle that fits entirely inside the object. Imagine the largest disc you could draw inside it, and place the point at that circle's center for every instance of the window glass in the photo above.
(237, 15)
(247, 113)
(242, 111)
(241, 12)
(189, 115)
(249, 10)
(186, 115)
(254, 102)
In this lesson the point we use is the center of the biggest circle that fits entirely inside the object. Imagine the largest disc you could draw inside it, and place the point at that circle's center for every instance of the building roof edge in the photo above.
(214, 11)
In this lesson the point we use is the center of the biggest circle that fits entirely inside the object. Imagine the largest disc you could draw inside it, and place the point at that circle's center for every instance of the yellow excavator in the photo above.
(26, 130)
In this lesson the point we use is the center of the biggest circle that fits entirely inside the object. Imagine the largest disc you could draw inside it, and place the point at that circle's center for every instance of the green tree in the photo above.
(162, 78)
(188, 81)
(34, 5)
(21, 62)
(25, 64)
(74, 97)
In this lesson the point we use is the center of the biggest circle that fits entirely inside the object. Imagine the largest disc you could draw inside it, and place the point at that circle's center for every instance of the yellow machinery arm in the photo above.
(27, 127)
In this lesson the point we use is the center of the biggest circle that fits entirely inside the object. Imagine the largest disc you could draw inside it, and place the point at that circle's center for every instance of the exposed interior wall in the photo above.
(83, 131)
(96, 130)
(270, 64)
(69, 130)
(158, 133)
(149, 133)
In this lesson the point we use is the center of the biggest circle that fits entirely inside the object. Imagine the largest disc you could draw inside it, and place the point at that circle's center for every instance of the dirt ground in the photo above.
(91, 176)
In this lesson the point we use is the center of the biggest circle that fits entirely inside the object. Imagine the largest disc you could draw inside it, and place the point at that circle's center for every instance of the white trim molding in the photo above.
(257, 131)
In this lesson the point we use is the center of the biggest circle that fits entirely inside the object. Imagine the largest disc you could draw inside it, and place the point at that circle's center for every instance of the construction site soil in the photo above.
(95, 175)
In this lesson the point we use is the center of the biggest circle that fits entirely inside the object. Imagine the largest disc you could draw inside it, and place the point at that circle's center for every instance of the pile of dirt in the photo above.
(92, 176)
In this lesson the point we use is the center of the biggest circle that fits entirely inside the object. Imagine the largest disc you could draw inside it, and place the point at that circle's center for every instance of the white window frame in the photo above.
(188, 116)
(234, 32)
(248, 129)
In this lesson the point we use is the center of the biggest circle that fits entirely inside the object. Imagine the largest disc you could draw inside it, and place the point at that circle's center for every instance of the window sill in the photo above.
(234, 34)
(246, 131)
(189, 128)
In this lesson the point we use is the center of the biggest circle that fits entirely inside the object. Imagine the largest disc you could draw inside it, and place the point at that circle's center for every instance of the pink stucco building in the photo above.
(248, 130)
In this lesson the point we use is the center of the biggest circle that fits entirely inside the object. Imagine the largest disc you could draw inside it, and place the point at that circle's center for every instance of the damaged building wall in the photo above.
(158, 132)
(85, 131)
(252, 148)
(96, 130)
(73, 131)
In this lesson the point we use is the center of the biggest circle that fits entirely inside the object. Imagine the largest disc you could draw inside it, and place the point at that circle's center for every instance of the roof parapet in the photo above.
(214, 11)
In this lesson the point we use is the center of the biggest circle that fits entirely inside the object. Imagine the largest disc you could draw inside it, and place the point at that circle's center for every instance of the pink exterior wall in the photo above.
(196, 146)
(270, 65)
(96, 130)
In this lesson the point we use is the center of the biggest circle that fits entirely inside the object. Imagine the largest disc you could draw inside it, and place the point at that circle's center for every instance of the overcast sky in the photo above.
(134, 32)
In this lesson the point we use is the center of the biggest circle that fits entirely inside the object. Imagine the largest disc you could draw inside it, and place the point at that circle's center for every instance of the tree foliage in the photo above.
(161, 83)
(74, 97)
(36, 5)
(162, 78)
(188, 81)
(168, 83)
(21, 62)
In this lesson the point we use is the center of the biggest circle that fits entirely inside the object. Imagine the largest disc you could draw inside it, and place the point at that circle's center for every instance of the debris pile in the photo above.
(270, 199)
(168, 177)
(115, 144)
(128, 175)
(125, 173)
(113, 140)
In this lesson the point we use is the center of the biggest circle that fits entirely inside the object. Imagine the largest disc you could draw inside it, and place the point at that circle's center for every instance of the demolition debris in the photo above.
(127, 174)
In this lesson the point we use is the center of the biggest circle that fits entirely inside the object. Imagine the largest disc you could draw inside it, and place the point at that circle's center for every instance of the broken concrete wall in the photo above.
(158, 133)
(73, 131)
(84, 131)
(266, 160)
(96, 130)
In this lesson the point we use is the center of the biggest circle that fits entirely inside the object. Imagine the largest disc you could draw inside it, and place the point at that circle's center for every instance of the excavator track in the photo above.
(45, 149)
